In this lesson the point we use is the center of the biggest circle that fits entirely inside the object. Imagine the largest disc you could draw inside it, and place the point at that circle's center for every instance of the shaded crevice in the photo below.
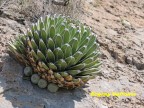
(1, 65)
(135, 61)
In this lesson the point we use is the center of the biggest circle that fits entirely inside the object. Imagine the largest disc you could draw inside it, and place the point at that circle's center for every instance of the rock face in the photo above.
(122, 55)
(20, 93)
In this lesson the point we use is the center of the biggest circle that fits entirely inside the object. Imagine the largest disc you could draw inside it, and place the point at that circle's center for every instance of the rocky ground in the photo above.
(119, 25)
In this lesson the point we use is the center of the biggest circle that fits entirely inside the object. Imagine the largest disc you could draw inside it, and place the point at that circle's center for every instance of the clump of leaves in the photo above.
(60, 50)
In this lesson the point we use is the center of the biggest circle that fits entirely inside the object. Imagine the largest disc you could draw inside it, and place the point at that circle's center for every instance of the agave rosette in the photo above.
(61, 50)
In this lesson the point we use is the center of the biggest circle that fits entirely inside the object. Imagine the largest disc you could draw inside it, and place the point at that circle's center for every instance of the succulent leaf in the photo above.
(83, 49)
(52, 21)
(85, 35)
(41, 55)
(34, 54)
(64, 74)
(66, 36)
(34, 45)
(91, 50)
(50, 56)
(88, 60)
(72, 30)
(23, 39)
(36, 37)
(44, 35)
(78, 35)
(61, 64)
(78, 55)
(79, 66)
(74, 72)
(92, 64)
(85, 42)
(41, 24)
(51, 44)
(70, 61)
(29, 33)
(52, 66)
(61, 28)
(92, 41)
(47, 21)
(74, 44)
(42, 46)
(57, 75)
(89, 71)
(58, 40)
(52, 31)
(44, 66)
(34, 28)
(66, 48)
(58, 53)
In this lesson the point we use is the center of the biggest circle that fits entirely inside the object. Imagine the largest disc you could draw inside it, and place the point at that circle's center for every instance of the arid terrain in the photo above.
(119, 25)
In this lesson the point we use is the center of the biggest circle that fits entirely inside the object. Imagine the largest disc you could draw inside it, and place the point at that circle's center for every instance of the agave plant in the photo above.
(60, 50)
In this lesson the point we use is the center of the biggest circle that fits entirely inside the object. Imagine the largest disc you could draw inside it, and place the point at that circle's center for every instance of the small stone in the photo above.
(129, 60)
(138, 63)
(126, 23)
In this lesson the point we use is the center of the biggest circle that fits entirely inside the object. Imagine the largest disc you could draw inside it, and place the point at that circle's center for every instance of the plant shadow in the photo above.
(20, 93)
